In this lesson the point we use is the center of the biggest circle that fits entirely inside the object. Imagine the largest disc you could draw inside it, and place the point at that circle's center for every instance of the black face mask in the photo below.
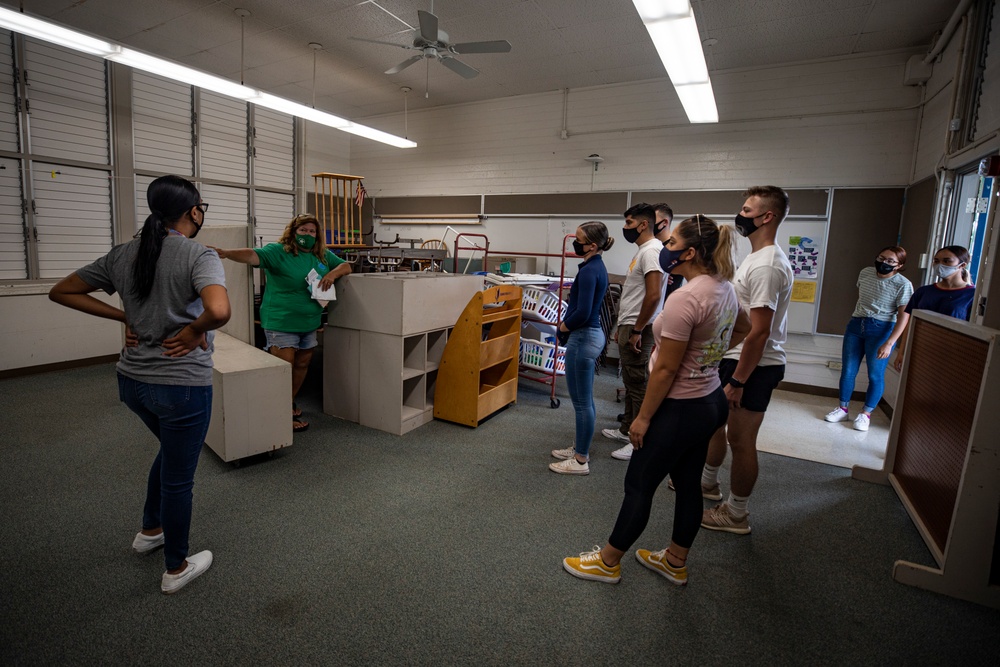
(670, 259)
(578, 248)
(631, 234)
(745, 226)
(883, 268)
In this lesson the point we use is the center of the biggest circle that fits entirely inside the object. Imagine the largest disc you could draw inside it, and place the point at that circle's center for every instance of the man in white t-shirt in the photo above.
(752, 369)
(640, 303)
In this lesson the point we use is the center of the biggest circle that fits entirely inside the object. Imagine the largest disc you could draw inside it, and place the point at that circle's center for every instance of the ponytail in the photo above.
(169, 198)
(150, 244)
(596, 232)
(725, 251)
(713, 244)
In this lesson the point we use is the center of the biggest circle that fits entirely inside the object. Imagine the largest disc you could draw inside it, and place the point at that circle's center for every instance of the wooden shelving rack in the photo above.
(336, 208)
(478, 372)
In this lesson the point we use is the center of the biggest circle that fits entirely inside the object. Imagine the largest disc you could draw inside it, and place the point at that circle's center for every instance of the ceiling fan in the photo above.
(432, 43)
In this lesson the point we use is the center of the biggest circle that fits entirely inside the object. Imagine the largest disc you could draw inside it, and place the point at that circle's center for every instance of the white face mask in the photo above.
(944, 271)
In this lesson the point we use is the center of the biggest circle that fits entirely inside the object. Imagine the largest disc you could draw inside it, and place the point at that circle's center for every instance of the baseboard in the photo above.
(831, 392)
(59, 366)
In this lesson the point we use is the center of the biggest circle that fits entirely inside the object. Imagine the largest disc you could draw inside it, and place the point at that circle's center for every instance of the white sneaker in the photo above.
(623, 454)
(196, 566)
(862, 422)
(143, 544)
(615, 434)
(838, 414)
(570, 467)
(563, 454)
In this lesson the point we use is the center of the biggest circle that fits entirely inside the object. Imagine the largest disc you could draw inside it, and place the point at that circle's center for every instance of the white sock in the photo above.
(738, 505)
(710, 476)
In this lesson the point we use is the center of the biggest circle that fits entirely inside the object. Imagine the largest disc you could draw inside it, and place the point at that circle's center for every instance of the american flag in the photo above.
(359, 198)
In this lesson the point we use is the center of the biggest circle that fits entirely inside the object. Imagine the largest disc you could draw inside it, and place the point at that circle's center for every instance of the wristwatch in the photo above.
(636, 332)
(736, 383)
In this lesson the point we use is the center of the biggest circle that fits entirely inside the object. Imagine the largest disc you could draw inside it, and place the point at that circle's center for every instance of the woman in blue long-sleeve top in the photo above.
(586, 340)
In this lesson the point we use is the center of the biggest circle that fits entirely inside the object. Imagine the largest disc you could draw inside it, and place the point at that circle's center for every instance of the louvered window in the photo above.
(272, 211)
(55, 171)
(161, 125)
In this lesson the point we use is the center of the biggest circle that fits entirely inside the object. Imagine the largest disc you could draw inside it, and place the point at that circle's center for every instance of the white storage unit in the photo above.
(385, 340)
(251, 410)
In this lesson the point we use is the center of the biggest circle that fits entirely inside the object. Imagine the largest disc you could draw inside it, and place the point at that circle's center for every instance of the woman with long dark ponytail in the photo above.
(684, 403)
(173, 296)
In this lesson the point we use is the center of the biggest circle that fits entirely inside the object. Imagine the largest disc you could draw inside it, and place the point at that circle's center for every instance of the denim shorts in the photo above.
(299, 341)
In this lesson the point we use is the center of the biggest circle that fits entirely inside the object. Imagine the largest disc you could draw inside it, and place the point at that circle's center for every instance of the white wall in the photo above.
(940, 88)
(845, 122)
(36, 331)
(326, 149)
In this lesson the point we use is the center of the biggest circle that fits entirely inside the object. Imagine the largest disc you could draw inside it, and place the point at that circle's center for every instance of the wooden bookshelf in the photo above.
(478, 371)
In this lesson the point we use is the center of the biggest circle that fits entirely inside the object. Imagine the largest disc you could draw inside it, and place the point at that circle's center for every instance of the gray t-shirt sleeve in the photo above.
(207, 270)
(98, 273)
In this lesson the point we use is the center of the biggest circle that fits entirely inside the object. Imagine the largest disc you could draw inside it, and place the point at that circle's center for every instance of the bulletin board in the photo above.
(804, 241)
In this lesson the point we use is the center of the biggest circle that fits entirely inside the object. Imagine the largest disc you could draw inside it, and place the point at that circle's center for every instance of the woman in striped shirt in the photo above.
(878, 321)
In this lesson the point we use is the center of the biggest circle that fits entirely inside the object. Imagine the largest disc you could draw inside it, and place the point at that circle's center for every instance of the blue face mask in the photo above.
(670, 259)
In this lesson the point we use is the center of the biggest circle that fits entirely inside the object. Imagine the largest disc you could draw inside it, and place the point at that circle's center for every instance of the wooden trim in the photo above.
(58, 366)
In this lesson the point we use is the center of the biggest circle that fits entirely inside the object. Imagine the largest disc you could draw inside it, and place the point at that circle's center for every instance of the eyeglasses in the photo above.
(203, 207)
(887, 260)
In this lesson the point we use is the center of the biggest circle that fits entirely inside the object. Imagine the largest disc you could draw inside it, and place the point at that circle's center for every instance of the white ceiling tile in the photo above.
(555, 43)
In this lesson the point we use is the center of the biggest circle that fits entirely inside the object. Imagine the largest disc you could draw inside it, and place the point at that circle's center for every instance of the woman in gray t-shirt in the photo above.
(173, 296)
(879, 319)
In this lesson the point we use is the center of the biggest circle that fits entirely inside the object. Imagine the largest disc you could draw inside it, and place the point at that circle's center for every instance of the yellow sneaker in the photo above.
(657, 562)
(589, 565)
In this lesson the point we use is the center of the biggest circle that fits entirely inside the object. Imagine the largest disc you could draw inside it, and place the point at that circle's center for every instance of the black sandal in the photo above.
(301, 425)
(296, 411)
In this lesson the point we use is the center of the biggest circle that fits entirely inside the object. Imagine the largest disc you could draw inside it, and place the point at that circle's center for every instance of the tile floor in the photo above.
(794, 427)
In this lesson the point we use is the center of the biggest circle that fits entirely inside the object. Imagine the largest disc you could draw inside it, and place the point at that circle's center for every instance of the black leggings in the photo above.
(675, 444)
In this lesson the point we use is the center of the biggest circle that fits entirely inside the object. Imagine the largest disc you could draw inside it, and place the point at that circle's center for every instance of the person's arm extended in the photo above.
(215, 299)
(241, 255)
(902, 318)
(73, 292)
(668, 359)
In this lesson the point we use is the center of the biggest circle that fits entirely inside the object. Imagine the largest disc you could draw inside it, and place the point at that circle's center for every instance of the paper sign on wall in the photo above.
(803, 253)
(804, 291)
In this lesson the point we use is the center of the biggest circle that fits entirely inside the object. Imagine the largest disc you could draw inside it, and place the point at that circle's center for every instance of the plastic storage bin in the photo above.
(543, 356)
(541, 305)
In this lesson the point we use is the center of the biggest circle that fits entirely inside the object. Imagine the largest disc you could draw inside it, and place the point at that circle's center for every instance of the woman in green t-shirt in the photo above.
(288, 313)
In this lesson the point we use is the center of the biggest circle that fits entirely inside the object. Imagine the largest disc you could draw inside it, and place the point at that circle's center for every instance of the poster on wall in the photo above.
(804, 255)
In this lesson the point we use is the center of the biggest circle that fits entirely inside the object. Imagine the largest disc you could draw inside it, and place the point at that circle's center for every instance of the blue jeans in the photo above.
(582, 350)
(178, 416)
(863, 338)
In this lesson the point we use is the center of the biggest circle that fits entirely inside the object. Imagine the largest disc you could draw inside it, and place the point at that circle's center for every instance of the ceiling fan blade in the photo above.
(457, 66)
(498, 46)
(378, 41)
(403, 65)
(428, 25)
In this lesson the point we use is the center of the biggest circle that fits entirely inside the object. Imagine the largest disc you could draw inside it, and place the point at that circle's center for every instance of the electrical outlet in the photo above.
(834, 365)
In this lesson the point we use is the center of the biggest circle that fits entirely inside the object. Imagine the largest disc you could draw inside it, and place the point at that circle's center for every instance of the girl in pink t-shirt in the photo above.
(684, 403)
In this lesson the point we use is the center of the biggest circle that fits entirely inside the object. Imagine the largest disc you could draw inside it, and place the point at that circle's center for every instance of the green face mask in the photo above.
(305, 241)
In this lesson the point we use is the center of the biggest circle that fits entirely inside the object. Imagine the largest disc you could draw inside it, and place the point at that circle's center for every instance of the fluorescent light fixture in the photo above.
(77, 41)
(698, 101)
(674, 31)
(49, 32)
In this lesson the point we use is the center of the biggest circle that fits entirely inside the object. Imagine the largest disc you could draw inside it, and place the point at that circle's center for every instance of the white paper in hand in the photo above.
(324, 296)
